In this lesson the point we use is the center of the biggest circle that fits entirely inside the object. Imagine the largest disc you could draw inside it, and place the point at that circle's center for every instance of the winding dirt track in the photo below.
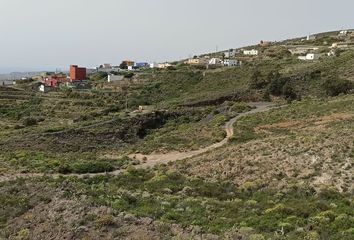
(152, 160)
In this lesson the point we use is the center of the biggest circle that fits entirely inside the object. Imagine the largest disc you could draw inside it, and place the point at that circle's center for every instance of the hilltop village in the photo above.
(311, 48)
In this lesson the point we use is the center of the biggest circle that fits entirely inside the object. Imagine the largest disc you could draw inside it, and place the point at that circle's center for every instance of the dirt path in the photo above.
(156, 159)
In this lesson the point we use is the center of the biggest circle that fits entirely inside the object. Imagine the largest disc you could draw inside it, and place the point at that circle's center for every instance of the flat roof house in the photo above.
(252, 52)
(141, 64)
(196, 61)
(311, 37)
(128, 63)
(215, 61)
(230, 62)
(154, 65)
(311, 56)
(77, 73)
(113, 78)
(164, 65)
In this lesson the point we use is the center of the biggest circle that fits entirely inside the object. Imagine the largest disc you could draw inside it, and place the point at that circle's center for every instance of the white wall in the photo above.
(112, 78)
(252, 52)
(230, 62)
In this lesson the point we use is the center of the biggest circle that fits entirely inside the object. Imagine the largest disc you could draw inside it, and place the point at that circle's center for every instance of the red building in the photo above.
(55, 80)
(77, 73)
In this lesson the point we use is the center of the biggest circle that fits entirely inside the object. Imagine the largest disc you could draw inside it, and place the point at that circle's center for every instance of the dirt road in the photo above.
(156, 159)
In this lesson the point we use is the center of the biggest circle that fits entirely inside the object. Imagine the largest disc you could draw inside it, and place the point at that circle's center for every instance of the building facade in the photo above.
(113, 78)
(215, 61)
(154, 65)
(196, 61)
(252, 52)
(164, 65)
(311, 56)
(142, 65)
(311, 37)
(77, 73)
(230, 62)
(128, 63)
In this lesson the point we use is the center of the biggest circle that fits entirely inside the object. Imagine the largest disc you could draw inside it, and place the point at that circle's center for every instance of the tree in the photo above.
(123, 65)
(129, 75)
(289, 92)
(273, 75)
(334, 87)
(257, 81)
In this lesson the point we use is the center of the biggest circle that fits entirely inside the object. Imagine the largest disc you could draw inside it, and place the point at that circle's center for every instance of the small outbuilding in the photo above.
(311, 56)
(113, 78)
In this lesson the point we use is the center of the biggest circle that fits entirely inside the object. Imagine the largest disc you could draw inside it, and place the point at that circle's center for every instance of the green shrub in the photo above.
(105, 220)
(240, 107)
(334, 87)
(289, 92)
(29, 121)
(276, 87)
(257, 80)
(91, 167)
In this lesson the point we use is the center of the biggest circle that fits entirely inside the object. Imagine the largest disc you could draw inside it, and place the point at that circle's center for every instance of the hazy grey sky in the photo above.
(49, 34)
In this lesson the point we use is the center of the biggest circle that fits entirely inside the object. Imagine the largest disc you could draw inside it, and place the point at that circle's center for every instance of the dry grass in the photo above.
(316, 150)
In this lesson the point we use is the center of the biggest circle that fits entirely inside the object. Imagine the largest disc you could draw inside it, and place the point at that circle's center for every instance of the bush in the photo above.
(276, 87)
(105, 220)
(29, 121)
(98, 76)
(289, 92)
(257, 80)
(91, 167)
(128, 75)
(335, 87)
(171, 68)
(240, 107)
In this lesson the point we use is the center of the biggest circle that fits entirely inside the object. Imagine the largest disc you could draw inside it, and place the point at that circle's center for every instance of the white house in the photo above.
(44, 88)
(252, 52)
(113, 78)
(311, 37)
(230, 62)
(154, 65)
(230, 53)
(331, 53)
(311, 56)
(343, 33)
(215, 61)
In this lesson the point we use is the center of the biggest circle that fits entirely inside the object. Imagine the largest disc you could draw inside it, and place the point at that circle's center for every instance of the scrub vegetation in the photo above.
(69, 167)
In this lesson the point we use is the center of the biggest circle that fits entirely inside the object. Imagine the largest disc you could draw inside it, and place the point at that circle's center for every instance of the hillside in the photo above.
(262, 150)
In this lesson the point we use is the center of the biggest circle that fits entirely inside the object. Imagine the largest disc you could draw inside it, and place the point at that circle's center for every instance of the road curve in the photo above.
(152, 160)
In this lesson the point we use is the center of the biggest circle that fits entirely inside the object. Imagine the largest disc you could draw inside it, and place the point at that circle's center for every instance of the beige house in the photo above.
(196, 61)
(340, 45)
(296, 50)
(164, 65)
